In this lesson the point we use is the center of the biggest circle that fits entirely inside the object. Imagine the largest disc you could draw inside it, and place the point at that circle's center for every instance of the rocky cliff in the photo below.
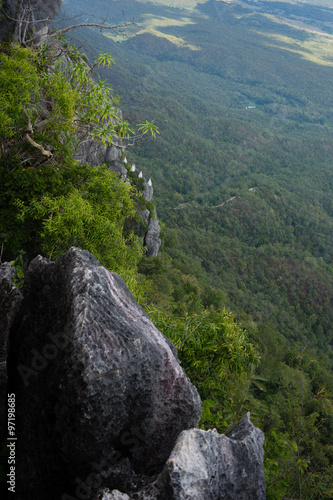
(103, 408)
(113, 155)
(27, 23)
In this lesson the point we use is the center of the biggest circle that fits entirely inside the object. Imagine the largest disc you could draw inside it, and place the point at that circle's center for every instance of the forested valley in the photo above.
(241, 94)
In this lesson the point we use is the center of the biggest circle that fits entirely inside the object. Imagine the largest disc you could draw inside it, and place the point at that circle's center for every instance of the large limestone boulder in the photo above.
(100, 392)
(103, 409)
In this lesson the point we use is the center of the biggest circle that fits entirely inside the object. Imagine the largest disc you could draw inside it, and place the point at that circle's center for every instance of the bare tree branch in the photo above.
(118, 28)
(29, 127)
(30, 130)
(44, 152)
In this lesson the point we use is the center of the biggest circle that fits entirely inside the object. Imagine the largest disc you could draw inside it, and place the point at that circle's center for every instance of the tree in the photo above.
(50, 106)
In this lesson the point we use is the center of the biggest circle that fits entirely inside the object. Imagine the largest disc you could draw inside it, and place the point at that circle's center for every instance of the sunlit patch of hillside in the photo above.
(177, 41)
(298, 23)
(317, 48)
(151, 21)
(153, 25)
(317, 3)
(183, 4)
(309, 15)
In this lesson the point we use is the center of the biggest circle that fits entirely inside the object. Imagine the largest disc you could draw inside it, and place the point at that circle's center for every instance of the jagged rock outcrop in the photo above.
(148, 190)
(99, 389)
(10, 300)
(92, 153)
(150, 237)
(152, 241)
(208, 466)
(27, 22)
(89, 151)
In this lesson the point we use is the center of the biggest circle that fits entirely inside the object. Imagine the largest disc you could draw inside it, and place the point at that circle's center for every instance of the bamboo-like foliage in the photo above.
(91, 217)
(215, 353)
(50, 103)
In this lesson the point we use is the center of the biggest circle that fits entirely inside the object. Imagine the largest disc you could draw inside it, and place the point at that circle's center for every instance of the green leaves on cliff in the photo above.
(215, 353)
(86, 207)
(51, 103)
(92, 218)
(19, 87)
(37, 108)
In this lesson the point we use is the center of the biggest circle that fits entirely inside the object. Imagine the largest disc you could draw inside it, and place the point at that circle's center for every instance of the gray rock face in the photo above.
(145, 216)
(10, 300)
(7, 272)
(119, 168)
(152, 240)
(148, 191)
(90, 151)
(106, 494)
(112, 153)
(100, 391)
(209, 466)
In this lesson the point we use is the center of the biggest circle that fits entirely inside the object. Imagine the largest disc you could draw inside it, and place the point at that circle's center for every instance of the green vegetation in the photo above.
(216, 355)
(91, 216)
(288, 389)
(48, 202)
(48, 210)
